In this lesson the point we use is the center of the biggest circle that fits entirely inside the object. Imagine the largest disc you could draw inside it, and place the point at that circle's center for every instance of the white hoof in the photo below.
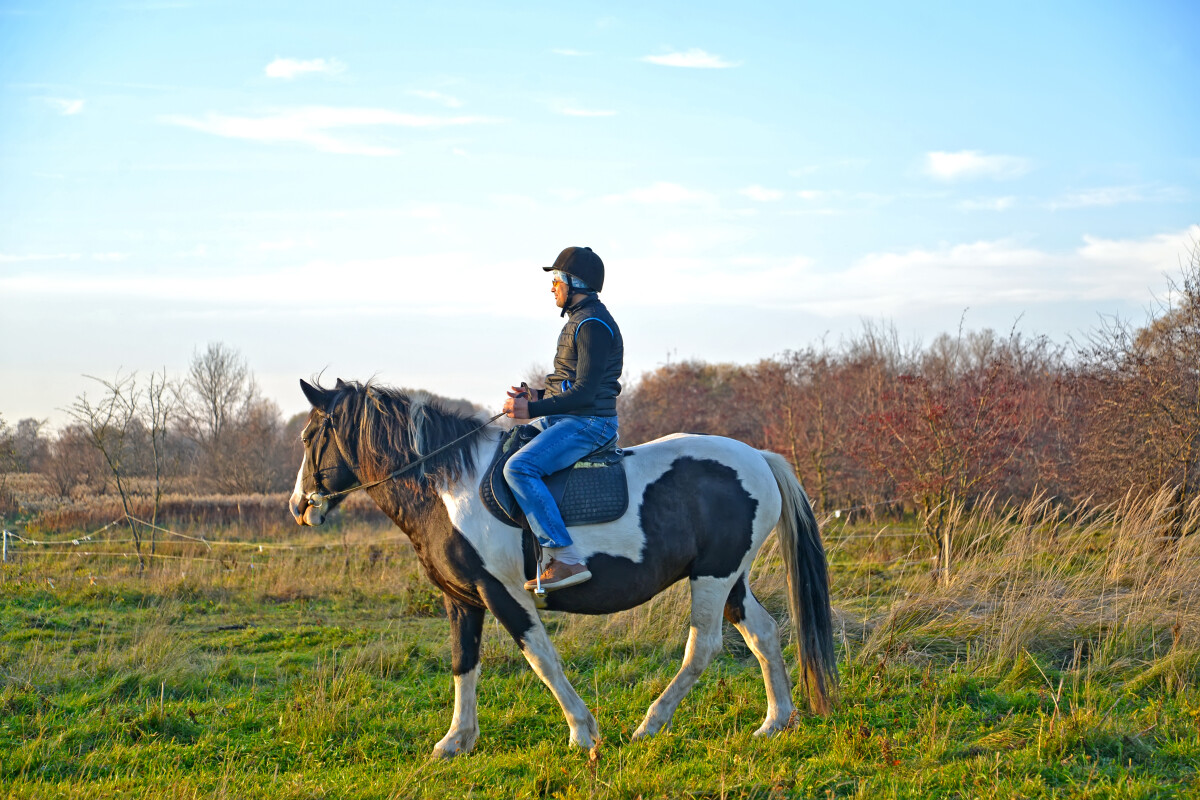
(647, 729)
(454, 744)
(770, 726)
(586, 736)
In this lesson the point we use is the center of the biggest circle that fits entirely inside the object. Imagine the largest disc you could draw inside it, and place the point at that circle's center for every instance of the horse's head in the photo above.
(326, 469)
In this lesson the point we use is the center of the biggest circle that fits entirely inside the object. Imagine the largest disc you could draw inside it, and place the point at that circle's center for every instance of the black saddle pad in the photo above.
(592, 491)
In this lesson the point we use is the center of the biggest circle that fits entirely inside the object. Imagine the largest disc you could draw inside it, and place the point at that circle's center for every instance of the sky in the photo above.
(369, 189)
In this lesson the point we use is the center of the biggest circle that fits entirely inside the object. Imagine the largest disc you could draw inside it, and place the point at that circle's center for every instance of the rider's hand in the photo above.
(517, 405)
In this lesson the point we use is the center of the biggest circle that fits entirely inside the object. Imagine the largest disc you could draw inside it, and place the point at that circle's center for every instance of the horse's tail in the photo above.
(808, 586)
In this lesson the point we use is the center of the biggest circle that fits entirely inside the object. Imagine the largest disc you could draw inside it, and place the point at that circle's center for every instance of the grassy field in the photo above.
(1061, 660)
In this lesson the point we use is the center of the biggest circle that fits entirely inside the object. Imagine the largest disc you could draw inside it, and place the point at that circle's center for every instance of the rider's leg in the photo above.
(564, 440)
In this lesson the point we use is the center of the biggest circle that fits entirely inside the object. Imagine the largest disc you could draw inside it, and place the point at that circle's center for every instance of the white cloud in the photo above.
(312, 126)
(916, 283)
(1117, 195)
(699, 239)
(694, 59)
(438, 97)
(967, 164)
(282, 245)
(988, 204)
(562, 51)
(585, 112)
(663, 193)
(14, 258)
(839, 202)
(64, 106)
(109, 257)
(412, 282)
(698, 280)
(1001, 271)
(761, 193)
(288, 68)
(843, 164)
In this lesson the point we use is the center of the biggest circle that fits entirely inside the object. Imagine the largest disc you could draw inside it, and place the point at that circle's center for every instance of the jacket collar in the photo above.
(590, 299)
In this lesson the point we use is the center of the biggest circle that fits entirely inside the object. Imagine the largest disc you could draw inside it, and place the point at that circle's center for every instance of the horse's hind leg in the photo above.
(761, 633)
(704, 642)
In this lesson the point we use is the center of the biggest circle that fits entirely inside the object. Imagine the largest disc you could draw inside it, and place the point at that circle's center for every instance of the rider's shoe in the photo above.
(558, 575)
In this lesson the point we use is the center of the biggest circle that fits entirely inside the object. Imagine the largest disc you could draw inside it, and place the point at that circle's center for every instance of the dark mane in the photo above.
(389, 428)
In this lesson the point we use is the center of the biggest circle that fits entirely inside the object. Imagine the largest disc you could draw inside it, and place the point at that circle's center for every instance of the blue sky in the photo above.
(369, 188)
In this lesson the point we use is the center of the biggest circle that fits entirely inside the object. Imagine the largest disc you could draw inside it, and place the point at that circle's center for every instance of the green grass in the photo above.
(1052, 666)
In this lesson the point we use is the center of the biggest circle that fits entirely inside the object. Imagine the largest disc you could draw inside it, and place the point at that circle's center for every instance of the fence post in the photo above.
(5, 537)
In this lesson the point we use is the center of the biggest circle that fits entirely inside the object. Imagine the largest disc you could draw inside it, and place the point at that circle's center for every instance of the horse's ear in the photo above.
(341, 384)
(317, 397)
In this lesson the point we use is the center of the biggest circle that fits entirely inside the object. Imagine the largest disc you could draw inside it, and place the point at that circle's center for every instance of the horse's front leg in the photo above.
(466, 630)
(517, 613)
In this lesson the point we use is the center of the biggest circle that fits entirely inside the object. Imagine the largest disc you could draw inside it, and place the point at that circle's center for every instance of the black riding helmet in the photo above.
(581, 263)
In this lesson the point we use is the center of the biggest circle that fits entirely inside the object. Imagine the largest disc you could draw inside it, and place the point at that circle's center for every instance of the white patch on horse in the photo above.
(464, 727)
(704, 642)
(544, 660)
(298, 491)
(417, 401)
(498, 546)
(761, 633)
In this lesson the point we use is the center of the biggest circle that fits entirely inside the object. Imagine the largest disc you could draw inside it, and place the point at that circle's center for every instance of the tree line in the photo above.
(210, 431)
(873, 424)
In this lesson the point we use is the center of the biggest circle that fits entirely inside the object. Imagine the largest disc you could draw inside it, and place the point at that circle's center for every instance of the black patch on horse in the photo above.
(735, 605)
(462, 573)
(466, 632)
(702, 492)
(697, 520)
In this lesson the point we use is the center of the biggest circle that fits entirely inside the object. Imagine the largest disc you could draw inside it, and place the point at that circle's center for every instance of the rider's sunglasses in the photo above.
(556, 276)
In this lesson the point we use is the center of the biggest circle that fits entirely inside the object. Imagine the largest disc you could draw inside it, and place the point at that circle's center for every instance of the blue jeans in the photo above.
(564, 440)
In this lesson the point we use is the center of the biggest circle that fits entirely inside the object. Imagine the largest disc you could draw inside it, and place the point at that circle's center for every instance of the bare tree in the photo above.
(110, 425)
(1141, 392)
(28, 447)
(217, 390)
(948, 433)
(217, 404)
(8, 460)
(156, 413)
(72, 461)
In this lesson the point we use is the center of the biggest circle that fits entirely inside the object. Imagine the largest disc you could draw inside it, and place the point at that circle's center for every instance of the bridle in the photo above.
(320, 499)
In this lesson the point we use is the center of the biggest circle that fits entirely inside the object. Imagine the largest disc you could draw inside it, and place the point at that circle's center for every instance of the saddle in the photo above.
(592, 491)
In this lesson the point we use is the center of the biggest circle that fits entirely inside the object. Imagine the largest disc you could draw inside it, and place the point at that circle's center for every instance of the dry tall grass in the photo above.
(1102, 590)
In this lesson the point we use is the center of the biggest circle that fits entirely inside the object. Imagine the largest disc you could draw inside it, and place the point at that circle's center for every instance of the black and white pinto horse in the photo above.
(700, 508)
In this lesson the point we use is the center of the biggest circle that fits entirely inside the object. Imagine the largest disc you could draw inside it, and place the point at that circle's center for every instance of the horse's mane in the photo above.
(389, 428)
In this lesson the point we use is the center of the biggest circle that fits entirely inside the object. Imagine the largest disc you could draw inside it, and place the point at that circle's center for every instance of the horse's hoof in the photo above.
(772, 727)
(452, 746)
(642, 733)
(585, 742)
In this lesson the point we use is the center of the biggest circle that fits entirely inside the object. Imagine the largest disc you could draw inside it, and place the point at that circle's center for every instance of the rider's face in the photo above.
(561, 292)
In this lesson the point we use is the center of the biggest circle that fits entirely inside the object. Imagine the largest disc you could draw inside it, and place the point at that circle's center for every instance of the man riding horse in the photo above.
(576, 412)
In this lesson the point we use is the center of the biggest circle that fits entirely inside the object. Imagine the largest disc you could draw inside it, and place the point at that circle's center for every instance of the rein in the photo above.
(321, 501)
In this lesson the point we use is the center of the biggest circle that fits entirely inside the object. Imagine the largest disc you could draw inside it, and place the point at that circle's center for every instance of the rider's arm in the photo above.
(594, 344)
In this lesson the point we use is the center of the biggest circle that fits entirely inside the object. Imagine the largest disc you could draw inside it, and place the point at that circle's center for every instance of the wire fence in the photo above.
(128, 547)
(77, 545)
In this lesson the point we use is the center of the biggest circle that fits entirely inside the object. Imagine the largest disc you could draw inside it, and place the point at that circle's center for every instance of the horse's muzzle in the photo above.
(309, 509)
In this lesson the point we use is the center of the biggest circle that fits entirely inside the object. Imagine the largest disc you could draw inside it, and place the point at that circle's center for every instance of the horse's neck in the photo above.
(422, 512)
